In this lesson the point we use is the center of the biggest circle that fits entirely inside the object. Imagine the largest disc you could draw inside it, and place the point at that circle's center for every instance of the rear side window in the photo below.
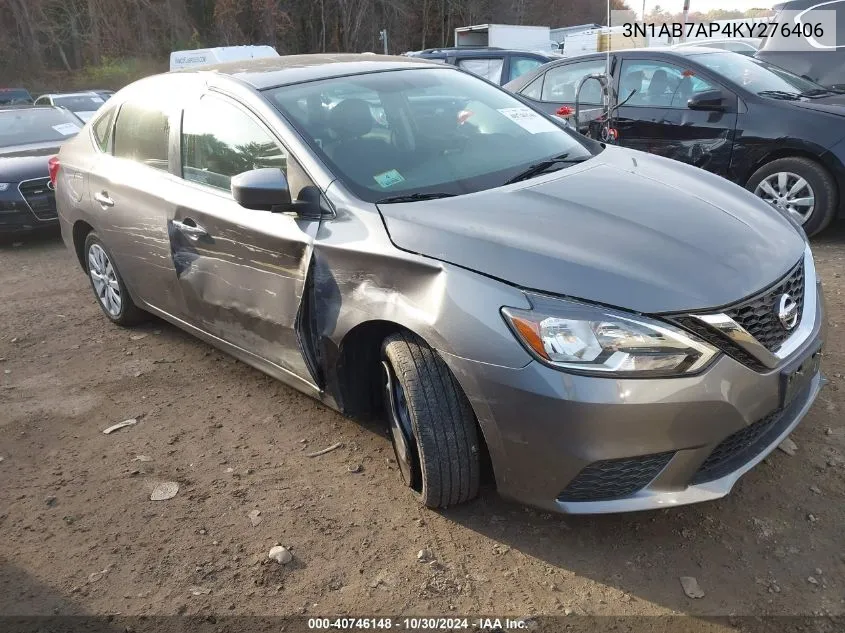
(101, 129)
(219, 140)
(141, 134)
(489, 68)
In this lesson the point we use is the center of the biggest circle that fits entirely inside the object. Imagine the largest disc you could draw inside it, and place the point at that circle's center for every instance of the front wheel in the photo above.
(432, 425)
(111, 293)
(799, 187)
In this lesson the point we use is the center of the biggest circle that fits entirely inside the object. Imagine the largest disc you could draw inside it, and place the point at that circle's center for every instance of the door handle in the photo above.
(190, 228)
(103, 198)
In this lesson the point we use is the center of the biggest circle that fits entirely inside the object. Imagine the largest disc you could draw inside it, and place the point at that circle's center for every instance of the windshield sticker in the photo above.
(529, 120)
(66, 129)
(388, 178)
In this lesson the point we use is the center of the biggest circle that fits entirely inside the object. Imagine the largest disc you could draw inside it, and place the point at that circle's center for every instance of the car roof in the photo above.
(31, 106)
(86, 93)
(272, 72)
(482, 51)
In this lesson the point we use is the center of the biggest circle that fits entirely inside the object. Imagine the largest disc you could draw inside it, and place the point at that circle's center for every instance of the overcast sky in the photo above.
(674, 6)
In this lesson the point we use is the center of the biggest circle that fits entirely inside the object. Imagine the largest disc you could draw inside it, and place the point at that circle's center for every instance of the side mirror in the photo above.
(262, 189)
(708, 100)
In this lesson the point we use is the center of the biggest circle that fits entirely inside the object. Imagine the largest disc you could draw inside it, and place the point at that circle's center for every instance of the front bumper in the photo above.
(21, 215)
(546, 429)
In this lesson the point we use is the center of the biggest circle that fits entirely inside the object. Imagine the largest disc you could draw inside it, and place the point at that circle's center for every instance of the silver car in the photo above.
(608, 330)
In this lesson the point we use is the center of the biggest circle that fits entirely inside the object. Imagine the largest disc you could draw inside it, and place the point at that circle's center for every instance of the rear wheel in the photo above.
(432, 425)
(799, 187)
(111, 293)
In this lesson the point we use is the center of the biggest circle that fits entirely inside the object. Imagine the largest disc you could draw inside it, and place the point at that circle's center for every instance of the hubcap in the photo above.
(399, 419)
(790, 193)
(104, 279)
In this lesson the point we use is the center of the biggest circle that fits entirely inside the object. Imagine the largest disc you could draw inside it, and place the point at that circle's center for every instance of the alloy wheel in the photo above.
(790, 193)
(104, 278)
(401, 431)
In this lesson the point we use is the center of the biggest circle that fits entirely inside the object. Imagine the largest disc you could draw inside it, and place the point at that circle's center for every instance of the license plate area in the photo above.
(795, 378)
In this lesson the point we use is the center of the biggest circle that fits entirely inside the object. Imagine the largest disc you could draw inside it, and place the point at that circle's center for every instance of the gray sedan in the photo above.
(607, 330)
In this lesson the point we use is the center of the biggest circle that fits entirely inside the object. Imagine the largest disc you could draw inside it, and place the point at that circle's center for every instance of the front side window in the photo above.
(426, 130)
(490, 68)
(142, 133)
(219, 140)
(757, 76)
(562, 82)
(656, 84)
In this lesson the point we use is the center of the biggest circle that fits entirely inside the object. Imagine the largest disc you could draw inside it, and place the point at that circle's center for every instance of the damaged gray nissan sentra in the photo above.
(609, 330)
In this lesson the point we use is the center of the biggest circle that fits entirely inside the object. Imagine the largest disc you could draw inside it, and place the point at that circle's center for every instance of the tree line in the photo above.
(69, 35)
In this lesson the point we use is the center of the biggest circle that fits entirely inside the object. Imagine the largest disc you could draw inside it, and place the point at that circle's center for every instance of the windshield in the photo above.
(756, 75)
(36, 125)
(426, 131)
(79, 103)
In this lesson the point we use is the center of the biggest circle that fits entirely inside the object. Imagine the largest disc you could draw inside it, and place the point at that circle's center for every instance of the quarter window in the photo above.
(102, 129)
(562, 82)
(219, 140)
(534, 89)
(659, 85)
(141, 134)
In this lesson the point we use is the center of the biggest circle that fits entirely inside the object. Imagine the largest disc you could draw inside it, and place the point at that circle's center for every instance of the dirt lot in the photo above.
(80, 534)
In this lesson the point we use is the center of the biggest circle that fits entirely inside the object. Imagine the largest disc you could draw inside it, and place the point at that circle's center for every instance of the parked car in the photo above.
(780, 136)
(494, 64)
(616, 331)
(825, 66)
(14, 96)
(82, 104)
(742, 45)
(29, 136)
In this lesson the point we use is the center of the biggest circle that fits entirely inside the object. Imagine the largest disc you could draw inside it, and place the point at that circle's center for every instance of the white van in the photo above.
(219, 55)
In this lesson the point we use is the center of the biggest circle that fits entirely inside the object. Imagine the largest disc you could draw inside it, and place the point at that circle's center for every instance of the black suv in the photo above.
(494, 64)
(825, 67)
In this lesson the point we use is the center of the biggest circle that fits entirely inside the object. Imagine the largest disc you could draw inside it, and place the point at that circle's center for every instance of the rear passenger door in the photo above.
(241, 272)
(131, 190)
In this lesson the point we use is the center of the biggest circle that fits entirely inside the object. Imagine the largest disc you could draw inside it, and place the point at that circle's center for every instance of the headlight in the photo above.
(5, 185)
(596, 340)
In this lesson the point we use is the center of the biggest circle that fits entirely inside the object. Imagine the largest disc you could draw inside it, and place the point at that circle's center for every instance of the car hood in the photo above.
(25, 162)
(832, 104)
(625, 228)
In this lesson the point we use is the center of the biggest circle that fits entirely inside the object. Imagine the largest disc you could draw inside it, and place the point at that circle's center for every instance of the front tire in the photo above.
(431, 421)
(800, 187)
(109, 289)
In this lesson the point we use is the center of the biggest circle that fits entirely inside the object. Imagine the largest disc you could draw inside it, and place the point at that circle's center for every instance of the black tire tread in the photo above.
(443, 422)
(824, 185)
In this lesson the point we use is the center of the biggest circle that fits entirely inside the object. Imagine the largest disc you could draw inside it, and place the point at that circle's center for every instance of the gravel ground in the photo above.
(81, 535)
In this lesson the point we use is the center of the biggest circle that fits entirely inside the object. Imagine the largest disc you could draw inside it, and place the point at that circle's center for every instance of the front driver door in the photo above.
(656, 119)
(242, 272)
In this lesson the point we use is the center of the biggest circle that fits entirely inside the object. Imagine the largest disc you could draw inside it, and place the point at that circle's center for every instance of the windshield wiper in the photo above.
(780, 94)
(416, 197)
(539, 168)
(816, 92)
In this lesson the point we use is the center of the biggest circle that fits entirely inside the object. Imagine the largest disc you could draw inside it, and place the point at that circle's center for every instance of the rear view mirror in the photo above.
(262, 189)
(707, 100)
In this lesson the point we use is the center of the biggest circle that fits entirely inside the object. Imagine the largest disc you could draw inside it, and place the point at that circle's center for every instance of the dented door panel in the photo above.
(243, 279)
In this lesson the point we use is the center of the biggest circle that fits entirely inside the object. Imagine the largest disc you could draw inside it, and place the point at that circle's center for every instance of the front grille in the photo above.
(40, 198)
(758, 315)
(615, 478)
(741, 447)
(718, 340)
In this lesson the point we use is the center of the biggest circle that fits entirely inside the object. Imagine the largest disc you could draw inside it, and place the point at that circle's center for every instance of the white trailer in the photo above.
(218, 55)
(525, 38)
